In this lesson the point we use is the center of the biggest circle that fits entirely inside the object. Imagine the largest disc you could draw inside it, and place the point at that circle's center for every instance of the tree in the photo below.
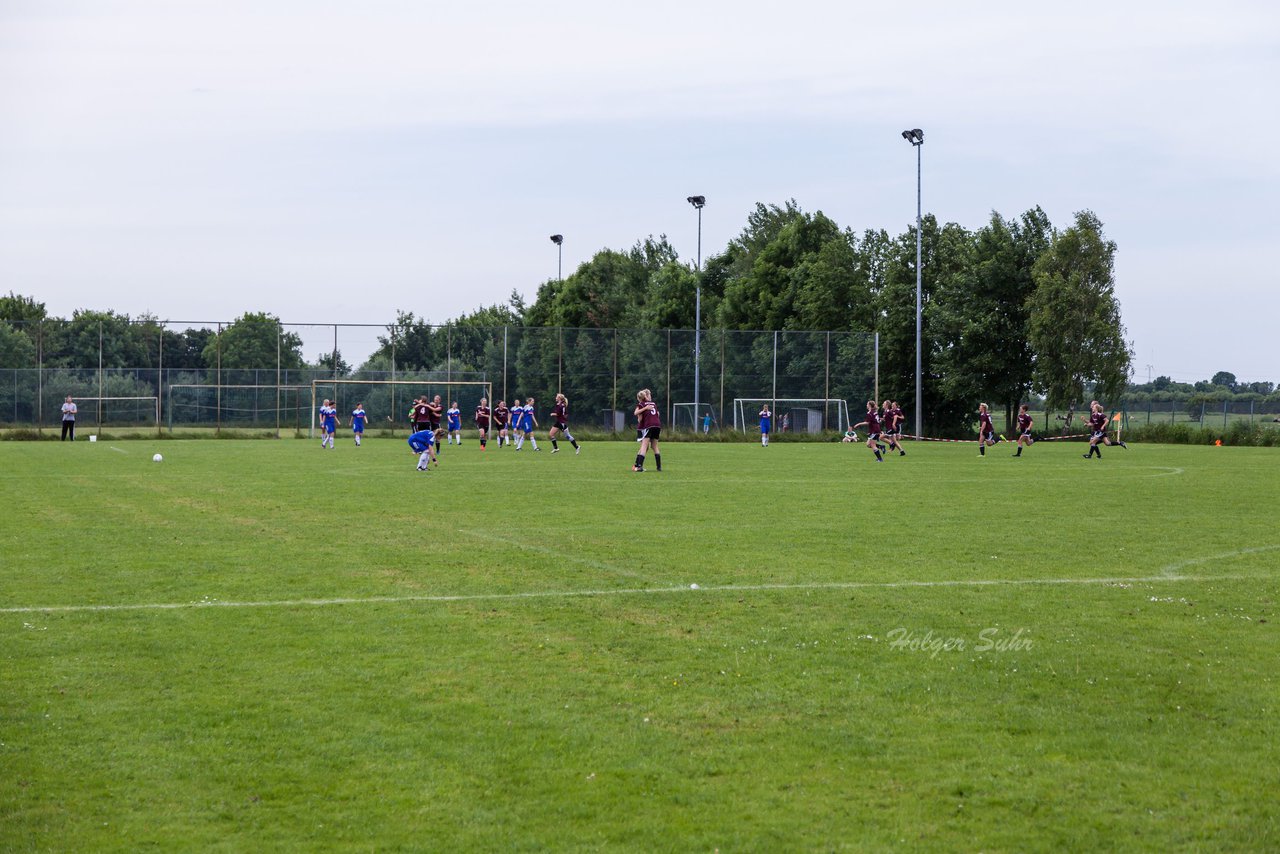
(979, 318)
(19, 310)
(1225, 379)
(254, 340)
(1075, 327)
(16, 349)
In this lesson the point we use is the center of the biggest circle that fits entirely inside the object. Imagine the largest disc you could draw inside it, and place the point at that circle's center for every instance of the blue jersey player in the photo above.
(454, 416)
(328, 423)
(358, 419)
(766, 421)
(527, 422)
(423, 444)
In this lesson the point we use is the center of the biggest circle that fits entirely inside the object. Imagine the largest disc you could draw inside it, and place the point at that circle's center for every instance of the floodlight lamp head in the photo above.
(557, 239)
(915, 136)
(697, 201)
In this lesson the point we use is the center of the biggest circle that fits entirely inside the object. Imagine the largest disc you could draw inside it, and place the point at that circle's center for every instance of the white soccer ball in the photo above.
(157, 459)
(693, 587)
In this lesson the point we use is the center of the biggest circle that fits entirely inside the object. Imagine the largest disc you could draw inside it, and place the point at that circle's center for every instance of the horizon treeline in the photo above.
(1009, 309)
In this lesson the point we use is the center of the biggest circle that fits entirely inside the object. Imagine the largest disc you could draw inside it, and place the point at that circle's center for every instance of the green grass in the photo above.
(506, 652)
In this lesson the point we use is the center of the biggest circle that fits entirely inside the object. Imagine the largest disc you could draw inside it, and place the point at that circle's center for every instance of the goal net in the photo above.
(242, 406)
(388, 402)
(792, 414)
(692, 416)
(99, 412)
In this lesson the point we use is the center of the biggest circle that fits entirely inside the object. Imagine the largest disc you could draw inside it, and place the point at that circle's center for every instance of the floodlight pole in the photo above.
(558, 240)
(697, 202)
(916, 138)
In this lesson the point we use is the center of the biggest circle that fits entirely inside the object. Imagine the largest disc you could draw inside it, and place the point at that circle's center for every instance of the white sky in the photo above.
(328, 161)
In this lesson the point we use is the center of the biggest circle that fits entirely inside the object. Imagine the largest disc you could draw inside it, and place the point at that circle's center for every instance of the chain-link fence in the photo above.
(168, 375)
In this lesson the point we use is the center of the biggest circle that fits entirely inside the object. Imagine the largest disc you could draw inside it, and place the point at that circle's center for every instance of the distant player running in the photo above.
(423, 444)
(483, 416)
(650, 429)
(766, 421)
(517, 415)
(358, 419)
(454, 416)
(560, 424)
(872, 423)
(1098, 431)
(1024, 429)
(328, 423)
(986, 430)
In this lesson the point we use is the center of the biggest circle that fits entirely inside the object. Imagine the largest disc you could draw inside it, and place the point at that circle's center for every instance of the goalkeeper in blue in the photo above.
(423, 444)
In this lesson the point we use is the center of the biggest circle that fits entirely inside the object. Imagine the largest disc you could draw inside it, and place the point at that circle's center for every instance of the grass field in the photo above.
(258, 645)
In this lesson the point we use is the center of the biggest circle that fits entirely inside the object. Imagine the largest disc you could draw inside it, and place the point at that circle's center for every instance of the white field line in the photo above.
(555, 553)
(118, 450)
(623, 591)
(1172, 569)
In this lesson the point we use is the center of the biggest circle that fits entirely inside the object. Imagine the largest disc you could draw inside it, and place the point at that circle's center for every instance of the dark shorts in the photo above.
(561, 426)
(1098, 436)
(874, 437)
(650, 433)
(419, 426)
(987, 435)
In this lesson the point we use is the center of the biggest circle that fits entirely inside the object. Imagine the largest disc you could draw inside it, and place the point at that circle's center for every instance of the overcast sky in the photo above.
(328, 161)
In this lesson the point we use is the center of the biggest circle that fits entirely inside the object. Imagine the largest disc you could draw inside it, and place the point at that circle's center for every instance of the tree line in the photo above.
(1015, 308)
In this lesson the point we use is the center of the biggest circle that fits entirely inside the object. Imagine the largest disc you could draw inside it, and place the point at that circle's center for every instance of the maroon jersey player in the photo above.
(650, 424)
(501, 415)
(421, 415)
(482, 421)
(560, 424)
(1024, 429)
(986, 430)
(872, 423)
(1098, 431)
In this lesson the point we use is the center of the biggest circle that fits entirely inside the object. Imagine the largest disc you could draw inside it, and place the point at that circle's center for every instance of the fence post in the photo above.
(1224, 413)
(279, 335)
(826, 384)
(613, 401)
(773, 392)
(217, 412)
(724, 334)
(670, 409)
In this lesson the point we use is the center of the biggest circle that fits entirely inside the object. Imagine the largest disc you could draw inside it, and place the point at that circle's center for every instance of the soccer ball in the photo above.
(157, 459)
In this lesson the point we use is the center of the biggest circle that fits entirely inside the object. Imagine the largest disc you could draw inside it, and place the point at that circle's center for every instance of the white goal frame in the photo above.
(745, 410)
(430, 384)
(98, 417)
(218, 388)
(696, 423)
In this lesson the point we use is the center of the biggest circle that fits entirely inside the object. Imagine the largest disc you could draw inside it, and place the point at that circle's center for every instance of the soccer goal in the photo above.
(692, 416)
(242, 406)
(793, 414)
(389, 402)
(121, 411)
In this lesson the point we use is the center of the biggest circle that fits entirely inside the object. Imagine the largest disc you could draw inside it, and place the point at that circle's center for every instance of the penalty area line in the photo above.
(620, 591)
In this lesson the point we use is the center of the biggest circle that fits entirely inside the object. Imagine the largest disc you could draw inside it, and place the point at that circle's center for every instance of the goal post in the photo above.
(236, 405)
(690, 416)
(387, 401)
(802, 414)
(137, 409)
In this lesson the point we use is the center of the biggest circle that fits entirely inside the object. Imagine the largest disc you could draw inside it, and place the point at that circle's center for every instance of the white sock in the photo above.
(424, 458)
(534, 441)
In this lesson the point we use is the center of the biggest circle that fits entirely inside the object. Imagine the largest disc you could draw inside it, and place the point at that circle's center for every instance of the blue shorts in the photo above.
(330, 426)
(357, 428)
